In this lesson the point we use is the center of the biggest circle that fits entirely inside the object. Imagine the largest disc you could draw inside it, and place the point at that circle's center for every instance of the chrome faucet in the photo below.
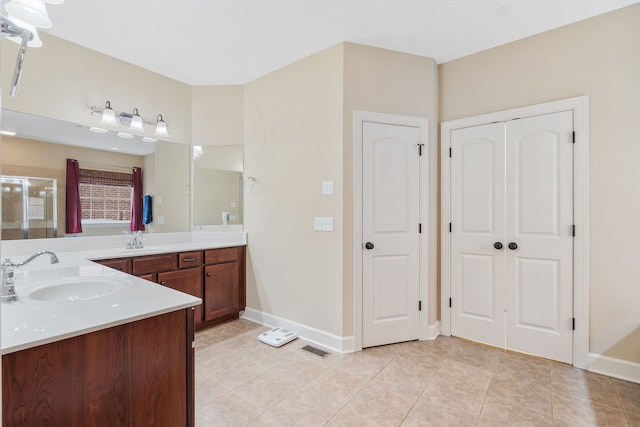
(8, 281)
(135, 242)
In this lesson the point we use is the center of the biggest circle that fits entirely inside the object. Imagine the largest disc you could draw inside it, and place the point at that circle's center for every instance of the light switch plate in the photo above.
(327, 188)
(323, 223)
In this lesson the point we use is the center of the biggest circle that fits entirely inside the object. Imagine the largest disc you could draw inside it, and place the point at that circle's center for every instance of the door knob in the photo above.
(497, 245)
(369, 245)
(513, 246)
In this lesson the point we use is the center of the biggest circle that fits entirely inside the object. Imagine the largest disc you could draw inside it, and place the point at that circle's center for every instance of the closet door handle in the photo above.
(497, 245)
(513, 246)
(369, 245)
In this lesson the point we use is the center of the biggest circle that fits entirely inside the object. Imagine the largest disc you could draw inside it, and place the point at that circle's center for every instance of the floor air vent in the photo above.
(315, 351)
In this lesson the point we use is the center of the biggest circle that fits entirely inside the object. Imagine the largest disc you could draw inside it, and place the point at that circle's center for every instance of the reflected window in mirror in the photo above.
(105, 196)
(42, 145)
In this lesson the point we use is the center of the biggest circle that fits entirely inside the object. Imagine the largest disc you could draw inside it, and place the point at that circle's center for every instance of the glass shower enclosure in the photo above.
(29, 208)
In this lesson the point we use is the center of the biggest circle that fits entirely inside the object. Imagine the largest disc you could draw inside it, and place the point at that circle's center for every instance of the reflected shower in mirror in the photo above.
(39, 149)
(217, 187)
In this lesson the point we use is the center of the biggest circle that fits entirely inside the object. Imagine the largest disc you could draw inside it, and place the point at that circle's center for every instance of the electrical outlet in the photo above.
(322, 223)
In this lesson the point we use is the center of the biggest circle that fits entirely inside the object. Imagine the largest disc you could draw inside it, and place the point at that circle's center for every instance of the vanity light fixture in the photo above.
(34, 41)
(136, 122)
(108, 116)
(161, 127)
(133, 122)
(33, 12)
(20, 27)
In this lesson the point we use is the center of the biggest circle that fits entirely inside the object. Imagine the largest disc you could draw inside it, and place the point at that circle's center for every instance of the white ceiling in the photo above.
(217, 42)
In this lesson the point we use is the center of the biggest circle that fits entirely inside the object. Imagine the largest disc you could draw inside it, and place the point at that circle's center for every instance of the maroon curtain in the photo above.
(73, 212)
(136, 203)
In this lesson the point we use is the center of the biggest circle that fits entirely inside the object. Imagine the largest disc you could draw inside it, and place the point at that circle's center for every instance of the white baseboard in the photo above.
(433, 331)
(616, 368)
(328, 341)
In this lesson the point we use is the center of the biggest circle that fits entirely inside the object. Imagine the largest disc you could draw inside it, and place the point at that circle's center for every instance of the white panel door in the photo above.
(512, 234)
(539, 218)
(391, 215)
(477, 224)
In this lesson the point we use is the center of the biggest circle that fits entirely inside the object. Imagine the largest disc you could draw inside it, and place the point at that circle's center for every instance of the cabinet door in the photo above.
(120, 264)
(221, 289)
(188, 281)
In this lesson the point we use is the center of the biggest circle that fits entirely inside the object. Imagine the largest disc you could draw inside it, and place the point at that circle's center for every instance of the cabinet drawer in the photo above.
(121, 264)
(189, 259)
(154, 263)
(217, 256)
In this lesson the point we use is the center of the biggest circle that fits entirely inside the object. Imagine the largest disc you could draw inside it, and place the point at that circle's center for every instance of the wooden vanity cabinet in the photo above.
(224, 283)
(120, 264)
(187, 280)
(150, 265)
(136, 374)
(217, 276)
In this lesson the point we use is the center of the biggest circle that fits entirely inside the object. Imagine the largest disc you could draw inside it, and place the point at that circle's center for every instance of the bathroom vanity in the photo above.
(111, 342)
(217, 276)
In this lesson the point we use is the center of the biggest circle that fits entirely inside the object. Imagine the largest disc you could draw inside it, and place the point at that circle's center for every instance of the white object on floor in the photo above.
(277, 337)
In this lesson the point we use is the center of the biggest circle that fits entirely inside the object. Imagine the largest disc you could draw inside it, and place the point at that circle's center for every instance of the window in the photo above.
(105, 196)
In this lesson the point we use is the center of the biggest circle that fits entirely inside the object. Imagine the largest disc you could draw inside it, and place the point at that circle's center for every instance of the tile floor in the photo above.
(446, 382)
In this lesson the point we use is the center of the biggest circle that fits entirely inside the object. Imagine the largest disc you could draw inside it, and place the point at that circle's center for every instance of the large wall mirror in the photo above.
(217, 187)
(34, 179)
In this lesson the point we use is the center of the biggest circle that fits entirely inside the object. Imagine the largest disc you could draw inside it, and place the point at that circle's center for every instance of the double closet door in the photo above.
(512, 234)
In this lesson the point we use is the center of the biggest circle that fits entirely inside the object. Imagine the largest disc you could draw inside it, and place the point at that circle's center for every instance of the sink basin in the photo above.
(77, 290)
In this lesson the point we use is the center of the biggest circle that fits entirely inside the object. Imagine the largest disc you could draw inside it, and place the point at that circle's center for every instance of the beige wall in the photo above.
(61, 80)
(599, 58)
(298, 132)
(217, 114)
(293, 141)
(385, 81)
(171, 187)
(214, 192)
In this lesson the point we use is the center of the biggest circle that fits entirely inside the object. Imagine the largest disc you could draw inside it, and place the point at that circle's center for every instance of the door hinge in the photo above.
(573, 230)
(573, 136)
(420, 228)
(450, 227)
(420, 149)
(450, 152)
(574, 324)
(450, 301)
(419, 305)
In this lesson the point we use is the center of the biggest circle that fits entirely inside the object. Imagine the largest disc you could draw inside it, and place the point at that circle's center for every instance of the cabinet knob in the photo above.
(497, 245)
(513, 246)
(369, 245)
(163, 283)
(208, 274)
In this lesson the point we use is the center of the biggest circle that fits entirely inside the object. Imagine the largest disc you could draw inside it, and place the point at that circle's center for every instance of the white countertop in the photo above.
(30, 322)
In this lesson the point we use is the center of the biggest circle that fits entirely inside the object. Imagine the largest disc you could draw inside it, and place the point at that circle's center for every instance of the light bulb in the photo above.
(33, 12)
(136, 122)
(161, 127)
(108, 115)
